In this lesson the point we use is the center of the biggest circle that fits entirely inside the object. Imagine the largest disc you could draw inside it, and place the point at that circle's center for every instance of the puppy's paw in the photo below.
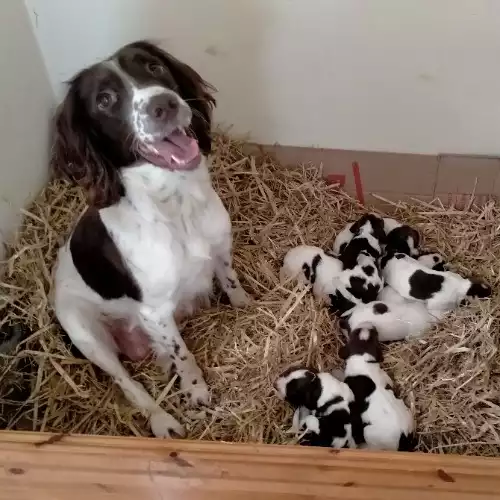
(163, 425)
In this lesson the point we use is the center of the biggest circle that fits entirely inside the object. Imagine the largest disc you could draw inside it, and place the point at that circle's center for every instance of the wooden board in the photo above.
(47, 467)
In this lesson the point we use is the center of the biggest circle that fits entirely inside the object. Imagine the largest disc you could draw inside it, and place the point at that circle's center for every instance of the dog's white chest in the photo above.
(169, 242)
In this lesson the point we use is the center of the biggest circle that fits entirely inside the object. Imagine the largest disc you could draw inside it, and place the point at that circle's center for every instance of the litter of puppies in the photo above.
(449, 377)
(380, 276)
(368, 254)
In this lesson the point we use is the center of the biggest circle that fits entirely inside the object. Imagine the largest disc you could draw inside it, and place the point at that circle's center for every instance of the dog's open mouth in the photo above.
(178, 151)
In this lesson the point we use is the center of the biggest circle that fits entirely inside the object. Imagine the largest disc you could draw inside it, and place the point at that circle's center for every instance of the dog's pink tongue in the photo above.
(178, 150)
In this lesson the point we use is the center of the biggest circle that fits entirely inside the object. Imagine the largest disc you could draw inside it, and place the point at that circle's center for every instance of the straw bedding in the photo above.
(451, 377)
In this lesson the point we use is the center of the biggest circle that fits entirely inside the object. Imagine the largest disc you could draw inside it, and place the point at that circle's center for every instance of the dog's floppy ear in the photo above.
(193, 89)
(75, 157)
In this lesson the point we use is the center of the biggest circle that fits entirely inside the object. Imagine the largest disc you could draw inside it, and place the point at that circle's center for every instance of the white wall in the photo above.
(394, 75)
(26, 102)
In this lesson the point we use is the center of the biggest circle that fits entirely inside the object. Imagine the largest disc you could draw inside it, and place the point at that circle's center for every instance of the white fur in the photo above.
(388, 294)
(398, 272)
(140, 117)
(332, 387)
(345, 236)
(386, 417)
(326, 271)
(403, 320)
(174, 233)
(390, 224)
(430, 260)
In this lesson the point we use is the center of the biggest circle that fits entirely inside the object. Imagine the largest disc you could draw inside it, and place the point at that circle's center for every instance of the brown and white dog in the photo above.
(134, 131)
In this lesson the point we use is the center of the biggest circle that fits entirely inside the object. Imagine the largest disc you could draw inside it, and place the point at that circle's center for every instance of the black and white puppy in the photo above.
(368, 226)
(393, 320)
(379, 419)
(368, 236)
(322, 406)
(338, 287)
(134, 132)
(441, 291)
(310, 265)
(401, 238)
(362, 281)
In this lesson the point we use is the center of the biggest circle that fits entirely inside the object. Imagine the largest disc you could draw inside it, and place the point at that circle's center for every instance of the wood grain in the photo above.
(54, 467)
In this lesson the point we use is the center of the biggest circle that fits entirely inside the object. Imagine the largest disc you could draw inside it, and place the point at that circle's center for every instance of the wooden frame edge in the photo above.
(57, 467)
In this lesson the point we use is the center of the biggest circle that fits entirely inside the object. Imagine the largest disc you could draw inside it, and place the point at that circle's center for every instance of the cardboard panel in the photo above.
(450, 178)
(461, 174)
(398, 173)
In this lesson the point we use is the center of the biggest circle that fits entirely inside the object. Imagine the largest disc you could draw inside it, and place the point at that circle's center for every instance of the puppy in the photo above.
(311, 266)
(368, 238)
(379, 419)
(322, 406)
(403, 239)
(362, 282)
(440, 291)
(393, 320)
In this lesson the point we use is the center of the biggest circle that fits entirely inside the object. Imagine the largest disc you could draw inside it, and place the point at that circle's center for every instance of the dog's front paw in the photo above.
(197, 393)
(240, 298)
(164, 425)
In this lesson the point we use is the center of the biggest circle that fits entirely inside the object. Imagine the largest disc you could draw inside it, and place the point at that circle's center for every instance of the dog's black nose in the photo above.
(163, 107)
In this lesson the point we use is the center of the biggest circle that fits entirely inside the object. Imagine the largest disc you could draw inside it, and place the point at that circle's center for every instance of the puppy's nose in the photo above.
(163, 107)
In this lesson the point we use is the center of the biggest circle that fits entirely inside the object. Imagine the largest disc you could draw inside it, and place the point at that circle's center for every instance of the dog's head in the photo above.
(363, 341)
(141, 102)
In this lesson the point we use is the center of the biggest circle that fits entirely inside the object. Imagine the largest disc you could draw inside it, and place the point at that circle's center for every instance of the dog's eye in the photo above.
(105, 100)
(155, 69)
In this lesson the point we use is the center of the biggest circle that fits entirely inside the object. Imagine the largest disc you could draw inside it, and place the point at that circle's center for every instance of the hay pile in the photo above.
(452, 377)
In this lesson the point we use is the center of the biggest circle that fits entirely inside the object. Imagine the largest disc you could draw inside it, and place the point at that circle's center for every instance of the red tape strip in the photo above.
(357, 182)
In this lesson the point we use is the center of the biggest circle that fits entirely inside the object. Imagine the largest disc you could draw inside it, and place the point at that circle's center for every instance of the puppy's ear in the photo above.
(193, 89)
(357, 225)
(378, 229)
(344, 324)
(416, 236)
(344, 352)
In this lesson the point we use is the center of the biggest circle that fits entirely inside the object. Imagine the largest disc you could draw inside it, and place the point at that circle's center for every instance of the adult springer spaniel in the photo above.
(134, 132)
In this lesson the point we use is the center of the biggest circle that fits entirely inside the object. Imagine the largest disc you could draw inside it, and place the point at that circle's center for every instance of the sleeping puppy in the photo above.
(393, 320)
(379, 419)
(340, 289)
(401, 238)
(440, 291)
(322, 406)
(310, 265)
(368, 225)
(361, 283)
(368, 237)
